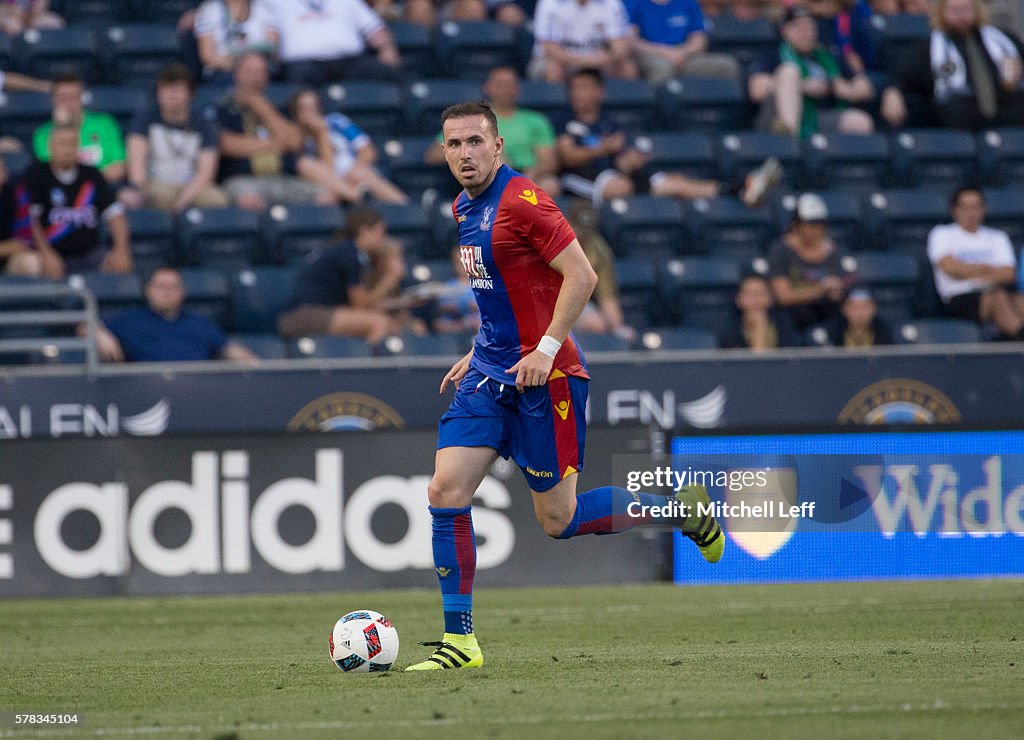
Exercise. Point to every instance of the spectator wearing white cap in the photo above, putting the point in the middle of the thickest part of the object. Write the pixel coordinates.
(859, 324)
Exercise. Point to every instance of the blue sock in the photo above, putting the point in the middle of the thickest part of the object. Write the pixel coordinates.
(607, 511)
(455, 565)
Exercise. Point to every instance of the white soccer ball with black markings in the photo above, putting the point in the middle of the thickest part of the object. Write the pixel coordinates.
(363, 642)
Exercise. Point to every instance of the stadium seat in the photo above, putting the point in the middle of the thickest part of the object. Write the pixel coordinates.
(930, 156)
(7, 52)
(444, 229)
(902, 218)
(21, 113)
(134, 53)
(41, 53)
(16, 162)
(120, 101)
(279, 93)
(700, 291)
(739, 153)
(893, 34)
(409, 225)
(375, 106)
(703, 104)
(152, 238)
(220, 237)
(638, 291)
(939, 331)
(747, 40)
(97, 13)
(207, 292)
(546, 97)
(166, 12)
(682, 337)
(630, 103)
(296, 233)
(1001, 156)
(893, 278)
(416, 47)
(596, 343)
(264, 346)
(410, 345)
(470, 49)
(426, 99)
(691, 154)
(845, 220)
(861, 161)
(114, 292)
(644, 226)
(1004, 209)
(327, 347)
(428, 271)
(726, 227)
(208, 97)
(408, 170)
(258, 296)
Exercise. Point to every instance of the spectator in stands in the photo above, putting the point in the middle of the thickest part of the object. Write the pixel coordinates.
(599, 161)
(172, 150)
(17, 16)
(859, 324)
(165, 331)
(669, 39)
(845, 27)
(803, 88)
(577, 34)
(68, 200)
(974, 266)
(338, 154)
(970, 71)
(16, 255)
(101, 144)
(805, 267)
(225, 28)
(335, 293)
(259, 147)
(603, 315)
(328, 40)
(456, 307)
(761, 326)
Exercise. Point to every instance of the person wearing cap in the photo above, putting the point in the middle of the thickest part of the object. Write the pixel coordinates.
(804, 89)
(859, 324)
(805, 267)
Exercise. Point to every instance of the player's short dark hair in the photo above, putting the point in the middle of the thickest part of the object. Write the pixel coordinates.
(360, 218)
(67, 75)
(176, 72)
(465, 110)
(954, 199)
(591, 72)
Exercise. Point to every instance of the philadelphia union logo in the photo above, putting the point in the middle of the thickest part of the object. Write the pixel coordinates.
(899, 401)
(337, 412)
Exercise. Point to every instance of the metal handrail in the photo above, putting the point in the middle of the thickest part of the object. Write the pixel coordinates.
(87, 317)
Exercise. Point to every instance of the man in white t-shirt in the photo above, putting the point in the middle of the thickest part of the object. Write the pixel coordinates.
(973, 264)
(331, 40)
(578, 34)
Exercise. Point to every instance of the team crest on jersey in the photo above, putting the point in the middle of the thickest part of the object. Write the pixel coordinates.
(485, 222)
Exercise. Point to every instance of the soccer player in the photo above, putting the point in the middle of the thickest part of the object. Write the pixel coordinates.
(522, 389)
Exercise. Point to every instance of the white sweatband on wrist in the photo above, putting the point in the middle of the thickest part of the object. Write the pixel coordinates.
(549, 346)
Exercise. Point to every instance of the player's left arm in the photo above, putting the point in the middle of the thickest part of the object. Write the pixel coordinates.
(578, 282)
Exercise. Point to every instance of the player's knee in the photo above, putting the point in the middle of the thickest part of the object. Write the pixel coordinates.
(444, 494)
(554, 522)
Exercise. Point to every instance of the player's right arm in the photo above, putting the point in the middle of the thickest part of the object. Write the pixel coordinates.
(457, 373)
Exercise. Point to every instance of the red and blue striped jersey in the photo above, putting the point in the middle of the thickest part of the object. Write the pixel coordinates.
(507, 236)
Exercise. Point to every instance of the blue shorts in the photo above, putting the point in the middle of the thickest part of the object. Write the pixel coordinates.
(543, 428)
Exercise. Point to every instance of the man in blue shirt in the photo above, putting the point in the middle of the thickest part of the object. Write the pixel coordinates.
(669, 39)
(164, 331)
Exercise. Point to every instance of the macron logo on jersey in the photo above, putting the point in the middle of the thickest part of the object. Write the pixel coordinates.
(530, 196)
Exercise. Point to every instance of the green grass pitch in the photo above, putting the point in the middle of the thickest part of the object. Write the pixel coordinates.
(907, 659)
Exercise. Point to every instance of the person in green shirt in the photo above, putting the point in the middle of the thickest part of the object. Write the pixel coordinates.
(101, 143)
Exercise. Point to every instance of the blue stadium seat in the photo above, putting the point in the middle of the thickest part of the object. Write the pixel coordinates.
(207, 292)
(296, 233)
(41, 53)
(429, 270)
(21, 113)
(16, 162)
(97, 13)
(258, 296)
(426, 99)
(416, 47)
(902, 218)
(939, 331)
(739, 153)
(470, 49)
(703, 104)
(546, 97)
(220, 237)
(895, 32)
(893, 278)
(596, 343)
(410, 345)
(409, 225)
(120, 101)
(166, 12)
(1001, 156)
(1004, 209)
(745, 40)
(279, 93)
(630, 103)
(861, 161)
(264, 346)
(700, 291)
(930, 156)
(7, 52)
(327, 347)
(638, 293)
(845, 219)
(643, 226)
(208, 97)
(691, 154)
(682, 337)
(444, 228)
(134, 53)
(114, 292)
(408, 170)
(375, 106)
(153, 239)
(726, 227)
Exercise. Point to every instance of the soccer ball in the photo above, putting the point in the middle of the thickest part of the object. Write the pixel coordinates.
(363, 642)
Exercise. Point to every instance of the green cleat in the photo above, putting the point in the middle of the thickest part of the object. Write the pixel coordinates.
(703, 530)
(453, 651)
